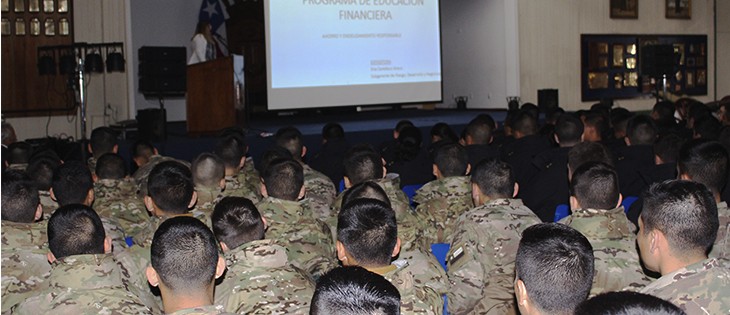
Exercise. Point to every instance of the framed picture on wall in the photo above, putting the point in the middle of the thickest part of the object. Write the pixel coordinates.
(678, 9)
(625, 9)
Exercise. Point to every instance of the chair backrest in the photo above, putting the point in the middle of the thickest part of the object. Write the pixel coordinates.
(410, 191)
(627, 202)
(440, 250)
(561, 211)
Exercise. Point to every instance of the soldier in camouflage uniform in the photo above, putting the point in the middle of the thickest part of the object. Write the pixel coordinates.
(554, 269)
(103, 140)
(308, 240)
(241, 177)
(367, 237)
(677, 227)
(41, 171)
(596, 213)
(25, 267)
(442, 201)
(146, 157)
(73, 184)
(483, 248)
(186, 288)
(706, 162)
(260, 278)
(83, 279)
(208, 176)
(115, 195)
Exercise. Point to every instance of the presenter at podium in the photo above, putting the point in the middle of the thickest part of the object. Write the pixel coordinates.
(202, 44)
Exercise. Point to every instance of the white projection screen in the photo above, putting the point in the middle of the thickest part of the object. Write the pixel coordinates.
(327, 53)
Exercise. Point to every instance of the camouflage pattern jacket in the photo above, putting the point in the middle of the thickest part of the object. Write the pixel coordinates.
(25, 267)
(84, 284)
(700, 288)
(482, 256)
(202, 310)
(308, 240)
(416, 297)
(144, 237)
(47, 203)
(142, 173)
(116, 200)
(260, 280)
(114, 230)
(207, 199)
(320, 190)
(614, 247)
(440, 203)
(91, 163)
(721, 248)
(246, 183)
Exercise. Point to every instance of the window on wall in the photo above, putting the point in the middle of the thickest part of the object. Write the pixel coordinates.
(25, 26)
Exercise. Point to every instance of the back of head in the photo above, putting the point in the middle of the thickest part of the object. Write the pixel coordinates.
(479, 131)
(290, 138)
(586, 152)
(698, 110)
(236, 221)
(20, 152)
(707, 128)
(143, 149)
(75, 229)
(409, 143)
(369, 190)
(170, 186)
(443, 132)
(494, 178)
(531, 109)
(595, 186)
(663, 112)
(102, 141)
(367, 228)
(568, 129)
(598, 121)
(705, 162)
(284, 179)
(41, 172)
(19, 197)
(184, 253)
(71, 183)
(231, 149)
(627, 303)
(208, 170)
(8, 133)
(333, 131)
(555, 263)
(354, 291)
(451, 159)
(685, 212)
(363, 163)
(486, 119)
(641, 130)
(525, 124)
(111, 166)
(667, 147)
(402, 124)
(271, 154)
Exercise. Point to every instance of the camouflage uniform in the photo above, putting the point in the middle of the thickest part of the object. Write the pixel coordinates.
(721, 248)
(416, 296)
(202, 310)
(614, 247)
(141, 175)
(440, 203)
(47, 203)
(482, 256)
(114, 230)
(308, 240)
(319, 189)
(246, 183)
(700, 288)
(144, 237)
(116, 200)
(133, 262)
(207, 199)
(25, 266)
(91, 162)
(84, 284)
(260, 280)
(408, 224)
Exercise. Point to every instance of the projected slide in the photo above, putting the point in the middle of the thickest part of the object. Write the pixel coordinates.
(352, 52)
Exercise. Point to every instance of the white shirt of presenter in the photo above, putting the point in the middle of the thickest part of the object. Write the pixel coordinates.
(202, 44)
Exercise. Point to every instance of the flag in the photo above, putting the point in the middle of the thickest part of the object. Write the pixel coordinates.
(214, 13)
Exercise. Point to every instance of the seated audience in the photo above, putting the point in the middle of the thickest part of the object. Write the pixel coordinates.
(103, 140)
(209, 175)
(242, 180)
(637, 155)
(528, 144)
(478, 137)
(329, 158)
(481, 276)
(554, 269)
(354, 291)
(41, 171)
(115, 194)
(19, 154)
(146, 157)
(410, 161)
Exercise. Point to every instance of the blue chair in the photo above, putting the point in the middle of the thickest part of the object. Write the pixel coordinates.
(628, 201)
(129, 241)
(342, 186)
(440, 250)
(410, 191)
(561, 211)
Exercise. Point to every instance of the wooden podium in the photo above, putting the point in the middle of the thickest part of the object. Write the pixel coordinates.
(211, 97)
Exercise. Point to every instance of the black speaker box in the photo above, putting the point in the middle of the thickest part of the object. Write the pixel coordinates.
(162, 71)
(657, 60)
(547, 100)
(152, 124)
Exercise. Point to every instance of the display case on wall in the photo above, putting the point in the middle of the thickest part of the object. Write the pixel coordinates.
(611, 65)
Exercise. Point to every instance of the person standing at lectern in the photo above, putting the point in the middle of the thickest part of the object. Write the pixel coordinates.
(202, 44)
